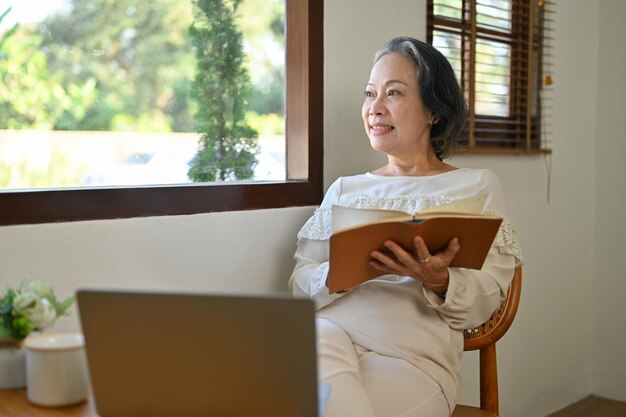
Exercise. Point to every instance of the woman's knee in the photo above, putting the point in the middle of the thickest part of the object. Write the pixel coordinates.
(328, 331)
(335, 351)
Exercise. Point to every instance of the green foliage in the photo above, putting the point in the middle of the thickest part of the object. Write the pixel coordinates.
(138, 53)
(31, 307)
(57, 173)
(109, 65)
(31, 96)
(263, 25)
(129, 66)
(220, 91)
(6, 318)
(266, 124)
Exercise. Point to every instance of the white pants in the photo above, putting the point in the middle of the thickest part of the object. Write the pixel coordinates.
(366, 384)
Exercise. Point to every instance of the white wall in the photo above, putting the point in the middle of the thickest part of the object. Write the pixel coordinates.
(353, 31)
(236, 251)
(546, 360)
(609, 273)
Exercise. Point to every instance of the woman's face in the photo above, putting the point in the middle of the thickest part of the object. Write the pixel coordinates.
(394, 116)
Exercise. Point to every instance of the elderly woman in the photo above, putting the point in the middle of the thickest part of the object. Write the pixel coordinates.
(392, 346)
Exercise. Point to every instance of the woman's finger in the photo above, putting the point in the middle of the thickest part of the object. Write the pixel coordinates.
(450, 251)
(423, 255)
(400, 253)
(385, 260)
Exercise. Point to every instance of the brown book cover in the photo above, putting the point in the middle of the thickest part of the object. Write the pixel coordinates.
(350, 247)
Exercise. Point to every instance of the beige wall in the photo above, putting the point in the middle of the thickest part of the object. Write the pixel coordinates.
(572, 271)
(608, 272)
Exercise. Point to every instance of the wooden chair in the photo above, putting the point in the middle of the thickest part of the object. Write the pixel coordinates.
(484, 338)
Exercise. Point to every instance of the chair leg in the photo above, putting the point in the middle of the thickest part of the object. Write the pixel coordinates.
(489, 379)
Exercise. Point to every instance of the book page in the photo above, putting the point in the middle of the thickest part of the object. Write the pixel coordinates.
(472, 205)
(343, 217)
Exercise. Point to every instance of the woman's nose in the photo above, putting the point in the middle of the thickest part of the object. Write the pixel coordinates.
(376, 107)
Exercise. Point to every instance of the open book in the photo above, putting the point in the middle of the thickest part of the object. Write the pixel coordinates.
(357, 232)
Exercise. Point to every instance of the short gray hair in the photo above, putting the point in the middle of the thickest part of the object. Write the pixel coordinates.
(439, 90)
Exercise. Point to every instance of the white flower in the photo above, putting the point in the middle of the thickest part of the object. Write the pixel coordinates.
(38, 288)
(39, 311)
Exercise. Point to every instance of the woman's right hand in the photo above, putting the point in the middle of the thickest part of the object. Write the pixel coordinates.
(429, 269)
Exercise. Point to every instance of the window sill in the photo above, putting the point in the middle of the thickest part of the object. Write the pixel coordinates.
(49, 206)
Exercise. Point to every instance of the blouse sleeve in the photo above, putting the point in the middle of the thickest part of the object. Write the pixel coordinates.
(473, 295)
(309, 275)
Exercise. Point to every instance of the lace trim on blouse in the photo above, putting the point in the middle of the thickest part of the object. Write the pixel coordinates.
(506, 241)
(319, 226)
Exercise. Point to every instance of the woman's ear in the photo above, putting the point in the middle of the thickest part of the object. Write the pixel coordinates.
(433, 120)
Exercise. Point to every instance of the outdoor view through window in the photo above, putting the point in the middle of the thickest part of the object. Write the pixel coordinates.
(100, 93)
(492, 50)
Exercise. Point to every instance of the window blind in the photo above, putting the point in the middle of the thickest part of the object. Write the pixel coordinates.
(496, 48)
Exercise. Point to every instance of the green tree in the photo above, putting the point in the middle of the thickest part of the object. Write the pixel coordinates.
(263, 25)
(31, 97)
(139, 54)
(220, 90)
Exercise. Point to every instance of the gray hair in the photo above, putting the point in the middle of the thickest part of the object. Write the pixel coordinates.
(439, 90)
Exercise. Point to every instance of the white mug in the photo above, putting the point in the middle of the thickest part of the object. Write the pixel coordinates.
(56, 369)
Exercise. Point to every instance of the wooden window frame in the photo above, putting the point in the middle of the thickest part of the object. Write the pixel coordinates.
(488, 134)
(304, 155)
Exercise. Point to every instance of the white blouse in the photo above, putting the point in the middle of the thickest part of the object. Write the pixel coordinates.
(395, 315)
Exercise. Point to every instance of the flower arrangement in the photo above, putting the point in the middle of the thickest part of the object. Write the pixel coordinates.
(31, 307)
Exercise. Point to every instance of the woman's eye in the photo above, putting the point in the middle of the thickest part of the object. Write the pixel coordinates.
(393, 92)
(368, 94)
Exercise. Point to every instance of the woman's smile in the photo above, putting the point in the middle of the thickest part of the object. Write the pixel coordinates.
(380, 129)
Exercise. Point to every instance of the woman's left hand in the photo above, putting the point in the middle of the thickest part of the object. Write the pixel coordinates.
(431, 270)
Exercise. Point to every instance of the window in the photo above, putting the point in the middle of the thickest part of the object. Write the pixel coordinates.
(303, 184)
(496, 49)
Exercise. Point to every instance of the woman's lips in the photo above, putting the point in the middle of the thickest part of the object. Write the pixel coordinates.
(379, 129)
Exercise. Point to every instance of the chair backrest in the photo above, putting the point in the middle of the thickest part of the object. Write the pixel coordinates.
(484, 338)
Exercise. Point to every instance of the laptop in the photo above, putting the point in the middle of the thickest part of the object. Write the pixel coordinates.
(187, 354)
